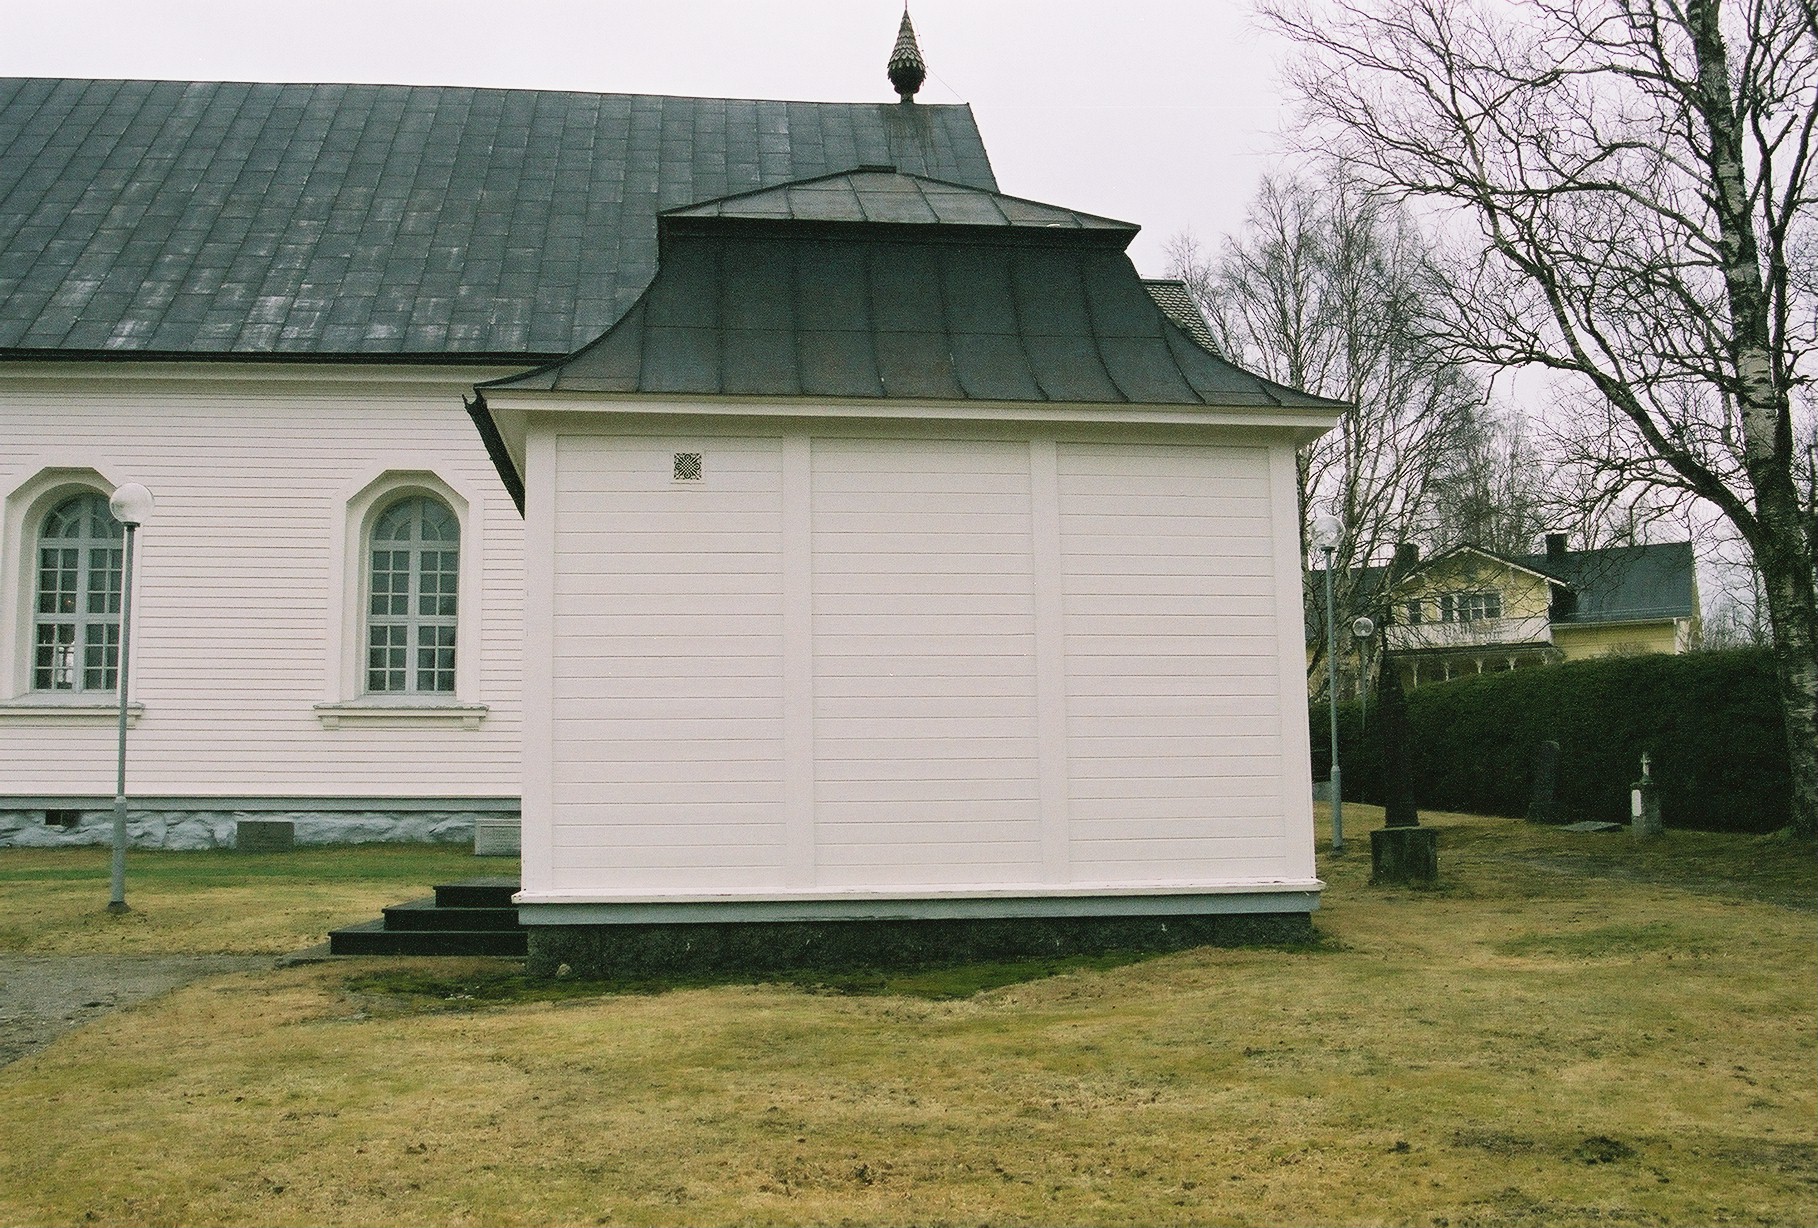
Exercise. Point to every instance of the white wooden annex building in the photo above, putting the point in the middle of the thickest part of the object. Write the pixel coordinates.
(895, 556)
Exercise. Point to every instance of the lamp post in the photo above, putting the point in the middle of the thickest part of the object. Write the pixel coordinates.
(130, 504)
(1361, 630)
(1326, 532)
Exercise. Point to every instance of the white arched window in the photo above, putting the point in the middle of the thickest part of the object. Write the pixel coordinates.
(76, 608)
(413, 564)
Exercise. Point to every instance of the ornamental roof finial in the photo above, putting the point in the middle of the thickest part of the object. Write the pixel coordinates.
(906, 68)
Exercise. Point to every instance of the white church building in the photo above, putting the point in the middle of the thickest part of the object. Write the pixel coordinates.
(826, 532)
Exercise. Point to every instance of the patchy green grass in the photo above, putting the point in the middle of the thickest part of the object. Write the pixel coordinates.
(217, 901)
(1569, 1030)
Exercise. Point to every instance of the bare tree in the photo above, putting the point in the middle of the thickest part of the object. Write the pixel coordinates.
(1330, 289)
(1636, 180)
(1493, 490)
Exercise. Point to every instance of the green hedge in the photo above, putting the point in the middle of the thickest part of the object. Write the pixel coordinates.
(1711, 722)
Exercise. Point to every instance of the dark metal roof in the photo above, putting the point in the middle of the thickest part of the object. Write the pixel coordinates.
(757, 306)
(1624, 583)
(886, 195)
(146, 217)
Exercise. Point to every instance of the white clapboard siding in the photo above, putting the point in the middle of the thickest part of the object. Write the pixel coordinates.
(251, 472)
(1174, 754)
(667, 758)
(924, 659)
(874, 661)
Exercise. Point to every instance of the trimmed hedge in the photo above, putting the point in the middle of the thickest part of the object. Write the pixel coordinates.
(1711, 722)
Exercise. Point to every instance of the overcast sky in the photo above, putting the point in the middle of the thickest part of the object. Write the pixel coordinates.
(1159, 112)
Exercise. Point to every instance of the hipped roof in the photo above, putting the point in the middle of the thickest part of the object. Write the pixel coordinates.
(879, 284)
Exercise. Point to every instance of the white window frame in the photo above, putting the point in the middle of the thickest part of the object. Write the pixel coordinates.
(82, 620)
(409, 619)
(346, 700)
(26, 503)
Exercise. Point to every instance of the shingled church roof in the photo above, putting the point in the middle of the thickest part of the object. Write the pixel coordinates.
(182, 219)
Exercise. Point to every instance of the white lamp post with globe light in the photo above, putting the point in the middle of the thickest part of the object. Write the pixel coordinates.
(130, 504)
(1362, 629)
(1327, 530)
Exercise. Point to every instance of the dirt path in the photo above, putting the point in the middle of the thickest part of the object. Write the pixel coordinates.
(44, 996)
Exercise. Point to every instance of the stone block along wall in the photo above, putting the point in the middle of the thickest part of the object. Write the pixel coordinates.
(215, 829)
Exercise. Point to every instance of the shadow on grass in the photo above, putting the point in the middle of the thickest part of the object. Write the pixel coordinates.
(419, 988)
(415, 987)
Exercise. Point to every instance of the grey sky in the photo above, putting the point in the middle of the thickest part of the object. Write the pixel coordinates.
(1159, 112)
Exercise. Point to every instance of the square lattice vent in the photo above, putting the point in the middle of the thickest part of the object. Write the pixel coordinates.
(687, 466)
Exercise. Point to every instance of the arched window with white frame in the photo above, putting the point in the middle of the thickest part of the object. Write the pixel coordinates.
(413, 563)
(76, 606)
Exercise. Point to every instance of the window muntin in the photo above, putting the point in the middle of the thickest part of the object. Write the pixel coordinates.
(1471, 607)
(413, 570)
(76, 614)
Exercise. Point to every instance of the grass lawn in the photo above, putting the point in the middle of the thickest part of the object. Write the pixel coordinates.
(1571, 1030)
(217, 901)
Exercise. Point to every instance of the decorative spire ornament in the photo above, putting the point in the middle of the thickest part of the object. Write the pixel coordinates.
(906, 68)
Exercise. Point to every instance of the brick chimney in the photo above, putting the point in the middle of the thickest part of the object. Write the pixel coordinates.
(1556, 547)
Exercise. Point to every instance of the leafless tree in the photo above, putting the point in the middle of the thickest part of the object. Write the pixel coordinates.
(1493, 490)
(1329, 289)
(1633, 180)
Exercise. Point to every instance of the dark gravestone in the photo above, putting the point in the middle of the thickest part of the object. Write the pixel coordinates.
(1644, 804)
(1404, 856)
(1398, 789)
(1542, 808)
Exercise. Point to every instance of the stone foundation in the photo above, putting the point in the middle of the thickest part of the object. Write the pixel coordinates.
(216, 829)
(600, 951)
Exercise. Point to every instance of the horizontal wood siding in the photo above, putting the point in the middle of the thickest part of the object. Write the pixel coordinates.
(1173, 727)
(924, 677)
(232, 615)
(668, 678)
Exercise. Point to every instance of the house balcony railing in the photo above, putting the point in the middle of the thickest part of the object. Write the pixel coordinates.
(1477, 633)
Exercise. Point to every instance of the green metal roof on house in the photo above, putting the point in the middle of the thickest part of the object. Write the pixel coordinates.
(1624, 583)
(1011, 305)
(235, 219)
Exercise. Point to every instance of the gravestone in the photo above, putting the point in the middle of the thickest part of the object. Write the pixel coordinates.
(1542, 808)
(1644, 804)
(1404, 856)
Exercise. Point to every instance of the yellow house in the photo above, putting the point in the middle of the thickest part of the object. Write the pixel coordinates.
(1472, 611)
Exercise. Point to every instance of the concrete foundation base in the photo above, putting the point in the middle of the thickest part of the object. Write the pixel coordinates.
(599, 951)
(1404, 856)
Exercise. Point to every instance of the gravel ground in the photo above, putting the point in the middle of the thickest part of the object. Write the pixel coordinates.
(44, 996)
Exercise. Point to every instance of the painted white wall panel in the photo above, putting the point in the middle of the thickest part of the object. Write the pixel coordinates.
(1173, 706)
(667, 749)
(923, 631)
(251, 473)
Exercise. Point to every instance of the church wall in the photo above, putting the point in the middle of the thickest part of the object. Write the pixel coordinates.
(247, 624)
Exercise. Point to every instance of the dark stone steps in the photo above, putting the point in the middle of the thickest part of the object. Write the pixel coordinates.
(432, 915)
(475, 917)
